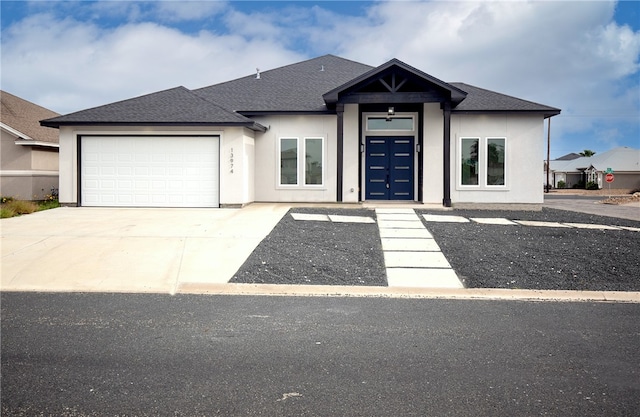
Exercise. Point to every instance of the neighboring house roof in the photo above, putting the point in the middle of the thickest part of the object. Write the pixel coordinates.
(296, 88)
(622, 159)
(176, 106)
(569, 157)
(574, 165)
(21, 117)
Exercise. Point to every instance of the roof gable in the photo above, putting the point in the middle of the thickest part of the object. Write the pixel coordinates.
(395, 78)
(174, 106)
(22, 117)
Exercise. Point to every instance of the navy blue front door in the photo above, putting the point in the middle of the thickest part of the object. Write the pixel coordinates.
(389, 168)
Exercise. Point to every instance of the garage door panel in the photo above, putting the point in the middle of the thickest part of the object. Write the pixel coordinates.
(150, 171)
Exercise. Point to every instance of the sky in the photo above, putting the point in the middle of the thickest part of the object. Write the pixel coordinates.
(580, 56)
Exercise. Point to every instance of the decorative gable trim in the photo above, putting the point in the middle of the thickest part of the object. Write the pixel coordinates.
(394, 82)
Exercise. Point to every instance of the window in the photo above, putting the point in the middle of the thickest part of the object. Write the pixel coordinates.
(303, 160)
(390, 123)
(469, 162)
(313, 161)
(289, 161)
(495, 161)
(483, 162)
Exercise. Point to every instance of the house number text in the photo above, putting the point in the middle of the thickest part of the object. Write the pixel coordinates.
(231, 160)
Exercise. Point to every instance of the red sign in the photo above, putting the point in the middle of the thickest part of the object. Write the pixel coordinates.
(608, 178)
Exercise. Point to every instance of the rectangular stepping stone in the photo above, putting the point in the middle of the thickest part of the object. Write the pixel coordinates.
(592, 226)
(399, 224)
(394, 210)
(414, 245)
(445, 218)
(312, 217)
(406, 233)
(493, 220)
(350, 219)
(415, 260)
(423, 278)
(540, 224)
(397, 216)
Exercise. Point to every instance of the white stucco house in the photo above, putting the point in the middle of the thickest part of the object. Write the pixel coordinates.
(28, 151)
(323, 130)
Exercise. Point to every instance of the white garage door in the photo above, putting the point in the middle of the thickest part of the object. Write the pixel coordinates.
(144, 171)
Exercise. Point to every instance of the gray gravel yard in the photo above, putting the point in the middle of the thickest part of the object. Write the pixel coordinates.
(318, 253)
(547, 258)
(483, 256)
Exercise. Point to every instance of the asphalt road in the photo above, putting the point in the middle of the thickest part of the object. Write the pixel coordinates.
(187, 355)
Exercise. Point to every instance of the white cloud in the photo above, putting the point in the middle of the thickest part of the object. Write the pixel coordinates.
(67, 65)
(159, 10)
(565, 54)
(172, 11)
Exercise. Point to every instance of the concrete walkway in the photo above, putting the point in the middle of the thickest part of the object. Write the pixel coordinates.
(412, 257)
(130, 250)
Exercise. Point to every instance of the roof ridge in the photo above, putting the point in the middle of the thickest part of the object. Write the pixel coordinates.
(283, 67)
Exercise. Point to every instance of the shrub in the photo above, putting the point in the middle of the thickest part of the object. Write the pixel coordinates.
(12, 207)
(591, 185)
(48, 204)
(21, 206)
(562, 184)
(6, 212)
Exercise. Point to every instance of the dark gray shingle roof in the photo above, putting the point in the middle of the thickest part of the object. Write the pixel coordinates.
(295, 88)
(174, 106)
(292, 88)
(481, 100)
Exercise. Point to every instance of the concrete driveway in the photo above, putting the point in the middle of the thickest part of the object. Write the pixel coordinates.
(130, 250)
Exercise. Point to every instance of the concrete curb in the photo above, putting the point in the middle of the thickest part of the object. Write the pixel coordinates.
(404, 292)
(283, 290)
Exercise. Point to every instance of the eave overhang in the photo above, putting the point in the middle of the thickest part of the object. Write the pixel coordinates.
(249, 125)
(546, 112)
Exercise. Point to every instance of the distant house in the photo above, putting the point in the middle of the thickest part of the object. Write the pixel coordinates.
(323, 130)
(623, 161)
(28, 151)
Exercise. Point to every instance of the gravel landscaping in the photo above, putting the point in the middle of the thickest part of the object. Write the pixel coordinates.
(483, 255)
(318, 253)
(547, 258)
